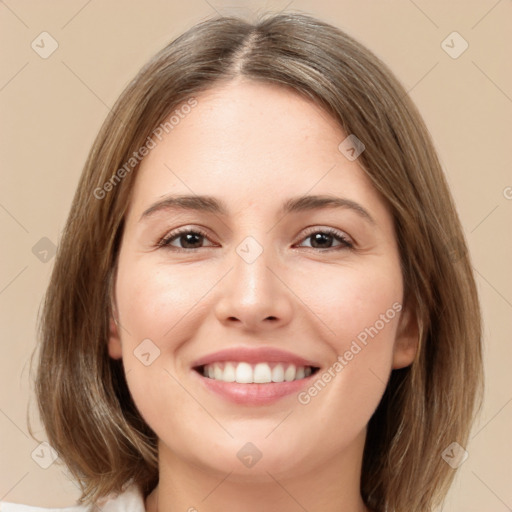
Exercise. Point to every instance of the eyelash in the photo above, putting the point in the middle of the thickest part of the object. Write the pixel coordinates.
(338, 235)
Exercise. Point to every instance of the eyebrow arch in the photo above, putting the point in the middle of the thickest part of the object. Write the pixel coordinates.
(295, 204)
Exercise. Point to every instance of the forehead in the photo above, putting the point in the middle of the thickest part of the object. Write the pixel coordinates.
(248, 142)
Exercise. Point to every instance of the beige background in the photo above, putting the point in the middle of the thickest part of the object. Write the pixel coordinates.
(52, 108)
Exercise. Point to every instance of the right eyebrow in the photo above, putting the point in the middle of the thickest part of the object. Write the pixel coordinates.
(198, 203)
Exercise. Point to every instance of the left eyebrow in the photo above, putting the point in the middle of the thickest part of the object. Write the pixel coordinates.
(295, 204)
(305, 203)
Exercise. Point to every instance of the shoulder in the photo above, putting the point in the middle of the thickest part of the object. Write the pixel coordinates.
(130, 500)
(18, 507)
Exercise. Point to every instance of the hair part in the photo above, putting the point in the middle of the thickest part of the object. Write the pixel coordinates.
(89, 415)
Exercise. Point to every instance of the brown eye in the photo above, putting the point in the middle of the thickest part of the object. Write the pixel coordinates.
(325, 238)
(187, 239)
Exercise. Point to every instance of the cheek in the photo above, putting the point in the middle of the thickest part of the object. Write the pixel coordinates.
(353, 304)
(153, 301)
(159, 310)
(155, 306)
(362, 310)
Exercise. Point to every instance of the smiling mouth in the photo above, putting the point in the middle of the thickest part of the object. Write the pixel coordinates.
(259, 373)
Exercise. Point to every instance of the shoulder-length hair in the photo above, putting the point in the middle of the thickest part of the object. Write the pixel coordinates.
(83, 398)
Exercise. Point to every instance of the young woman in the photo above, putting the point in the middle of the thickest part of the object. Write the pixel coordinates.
(256, 303)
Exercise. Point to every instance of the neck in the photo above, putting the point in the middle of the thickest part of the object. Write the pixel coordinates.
(333, 486)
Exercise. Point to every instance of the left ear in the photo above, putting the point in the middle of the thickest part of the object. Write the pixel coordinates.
(407, 339)
(114, 340)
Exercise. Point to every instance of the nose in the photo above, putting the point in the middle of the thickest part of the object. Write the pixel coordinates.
(254, 294)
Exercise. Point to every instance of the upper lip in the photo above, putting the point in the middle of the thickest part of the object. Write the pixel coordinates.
(253, 356)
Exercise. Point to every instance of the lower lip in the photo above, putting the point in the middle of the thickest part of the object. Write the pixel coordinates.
(254, 394)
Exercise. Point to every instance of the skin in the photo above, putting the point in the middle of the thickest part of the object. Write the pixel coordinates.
(241, 141)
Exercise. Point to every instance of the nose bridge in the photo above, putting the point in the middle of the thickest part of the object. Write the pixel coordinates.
(251, 273)
(252, 293)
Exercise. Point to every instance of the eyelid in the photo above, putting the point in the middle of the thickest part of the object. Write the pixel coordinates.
(175, 233)
(345, 237)
(347, 242)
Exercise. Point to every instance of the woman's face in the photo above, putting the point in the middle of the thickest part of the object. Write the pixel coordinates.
(265, 282)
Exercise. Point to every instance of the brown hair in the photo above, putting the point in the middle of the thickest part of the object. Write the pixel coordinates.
(84, 402)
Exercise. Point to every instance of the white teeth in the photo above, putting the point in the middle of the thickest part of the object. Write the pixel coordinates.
(229, 373)
(278, 373)
(244, 373)
(261, 373)
(289, 374)
(218, 373)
